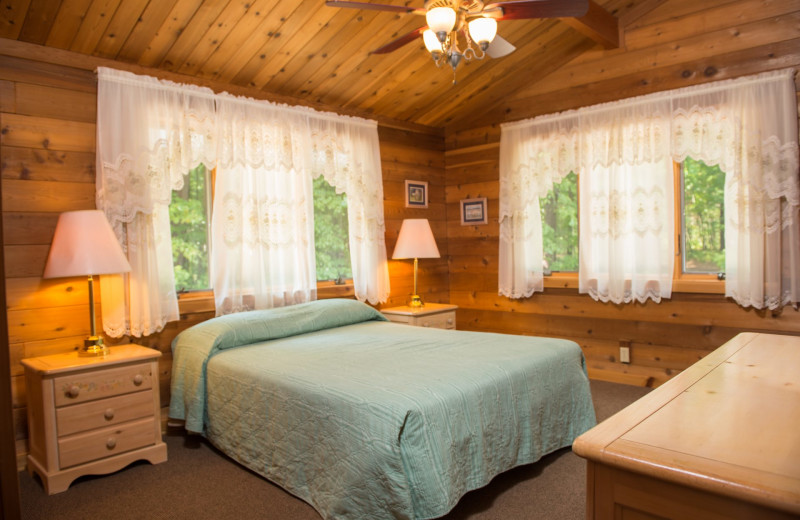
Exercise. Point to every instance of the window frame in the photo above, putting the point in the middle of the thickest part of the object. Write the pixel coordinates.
(681, 282)
(688, 282)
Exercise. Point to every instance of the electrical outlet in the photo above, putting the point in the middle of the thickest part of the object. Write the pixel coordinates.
(624, 354)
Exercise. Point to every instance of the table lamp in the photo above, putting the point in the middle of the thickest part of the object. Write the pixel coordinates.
(84, 245)
(415, 241)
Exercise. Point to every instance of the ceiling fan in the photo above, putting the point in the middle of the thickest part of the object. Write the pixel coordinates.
(470, 21)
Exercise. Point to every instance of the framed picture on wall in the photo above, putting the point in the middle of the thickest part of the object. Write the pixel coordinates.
(416, 194)
(473, 211)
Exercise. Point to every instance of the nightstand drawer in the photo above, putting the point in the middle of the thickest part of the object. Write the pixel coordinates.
(105, 412)
(97, 444)
(431, 315)
(445, 320)
(98, 384)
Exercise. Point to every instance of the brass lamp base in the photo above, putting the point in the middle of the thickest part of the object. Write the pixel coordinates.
(416, 301)
(93, 346)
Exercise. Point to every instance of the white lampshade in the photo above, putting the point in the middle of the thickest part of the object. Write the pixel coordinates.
(441, 20)
(415, 240)
(483, 30)
(432, 43)
(84, 244)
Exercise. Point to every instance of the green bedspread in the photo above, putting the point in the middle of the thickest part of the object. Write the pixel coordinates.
(375, 420)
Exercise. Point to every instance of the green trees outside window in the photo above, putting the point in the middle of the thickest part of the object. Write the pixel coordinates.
(189, 216)
(703, 217)
(559, 210)
(330, 232)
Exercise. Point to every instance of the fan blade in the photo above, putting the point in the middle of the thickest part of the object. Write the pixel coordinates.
(399, 42)
(537, 9)
(499, 47)
(375, 7)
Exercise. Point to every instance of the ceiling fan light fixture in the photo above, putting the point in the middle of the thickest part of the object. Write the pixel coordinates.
(465, 30)
(432, 42)
(482, 31)
(441, 21)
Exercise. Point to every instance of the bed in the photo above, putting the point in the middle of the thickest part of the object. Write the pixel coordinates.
(367, 419)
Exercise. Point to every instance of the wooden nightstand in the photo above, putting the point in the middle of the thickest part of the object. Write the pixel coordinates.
(92, 415)
(435, 315)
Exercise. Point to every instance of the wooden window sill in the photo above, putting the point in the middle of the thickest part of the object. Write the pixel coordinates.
(561, 281)
(705, 285)
(702, 285)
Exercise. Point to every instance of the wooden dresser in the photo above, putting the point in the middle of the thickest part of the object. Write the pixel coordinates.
(92, 415)
(434, 315)
(720, 440)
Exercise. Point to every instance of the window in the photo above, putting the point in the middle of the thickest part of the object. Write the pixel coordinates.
(190, 216)
(330, 233)
(699, 226)
(559, 211)
(702, 239)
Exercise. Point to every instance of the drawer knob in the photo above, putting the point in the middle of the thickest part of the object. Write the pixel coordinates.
(111, 443)
(109, 414)
(74, 391)
(426, 324)
(449, 321)
(137, 379)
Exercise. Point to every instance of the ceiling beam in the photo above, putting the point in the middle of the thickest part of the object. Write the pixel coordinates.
(599, 25)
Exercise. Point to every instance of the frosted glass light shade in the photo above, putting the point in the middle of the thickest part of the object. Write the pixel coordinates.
(482, 30)
(84, 244)
(432, 43)
(441, 20)
(415, 240)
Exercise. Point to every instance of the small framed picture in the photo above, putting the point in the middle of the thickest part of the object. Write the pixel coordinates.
(416, 194)
(473, 211)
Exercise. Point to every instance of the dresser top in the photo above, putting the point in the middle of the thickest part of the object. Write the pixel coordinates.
(69, 361)
(728, 424)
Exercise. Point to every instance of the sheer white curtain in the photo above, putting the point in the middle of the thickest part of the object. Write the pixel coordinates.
(345, 151)
(622, 153)
(150, 133)
(533, 157)
(263, 222)
(262, 230)
(625, 202)
(748, 127)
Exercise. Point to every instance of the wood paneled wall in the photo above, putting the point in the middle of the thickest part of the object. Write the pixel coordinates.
(680, 43)
(47, 150)
(405, 156)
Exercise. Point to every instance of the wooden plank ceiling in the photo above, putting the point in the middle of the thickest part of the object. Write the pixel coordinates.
(311, 52)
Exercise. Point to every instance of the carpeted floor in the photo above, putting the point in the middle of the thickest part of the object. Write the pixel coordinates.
(199, 482)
